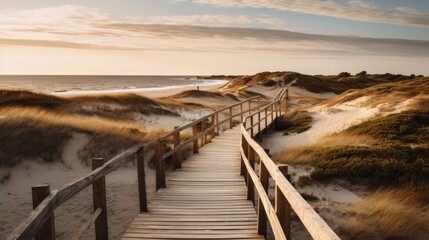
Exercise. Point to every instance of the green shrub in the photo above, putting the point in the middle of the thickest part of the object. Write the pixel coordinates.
(297, 123)
(406, 127)
(381, 165)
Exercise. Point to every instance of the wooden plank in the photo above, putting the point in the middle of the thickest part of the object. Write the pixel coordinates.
(194, 227)
(192, 231)
(206, 198)
(192, 236)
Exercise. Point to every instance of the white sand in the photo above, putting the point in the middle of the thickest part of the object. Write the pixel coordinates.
(326, 120)
(151, 92)
(122, 195)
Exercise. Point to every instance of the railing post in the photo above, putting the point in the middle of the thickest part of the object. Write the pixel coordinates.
(262, 216)
(159, 165)
(250, 108)
(177, 156)
(230, 117)
(282, 206)
(213, 123)
(250, 185)
(203, 128)
(99, 199)
(259, 122)
(47, 230)
(272, 113)
(141, 176)
(241, 112)
(266, 119)
(277, 109)
(217, 124)
(251, 126)
(194, 133)
(245, 146)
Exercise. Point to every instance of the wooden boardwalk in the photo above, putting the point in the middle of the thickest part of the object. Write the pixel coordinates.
(205, 199)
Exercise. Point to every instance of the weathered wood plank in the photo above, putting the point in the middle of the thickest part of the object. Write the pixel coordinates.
(205, 199)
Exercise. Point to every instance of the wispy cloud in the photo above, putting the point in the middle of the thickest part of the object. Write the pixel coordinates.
(89, 28)
(215, 20)
(353, 10)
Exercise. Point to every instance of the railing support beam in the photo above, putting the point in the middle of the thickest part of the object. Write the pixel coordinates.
(282, 206)
(177, 156)
(141, 175)
(159, 165)
(250, 185)
(194, 133)
(262, 215)
(47, 231)
(99, 199)
(230, 118)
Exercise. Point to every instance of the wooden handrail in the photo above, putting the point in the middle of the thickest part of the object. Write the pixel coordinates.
(38, 217)
(285, 192)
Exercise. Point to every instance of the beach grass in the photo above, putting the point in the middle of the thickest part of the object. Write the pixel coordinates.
(389, 214)
(388, 151)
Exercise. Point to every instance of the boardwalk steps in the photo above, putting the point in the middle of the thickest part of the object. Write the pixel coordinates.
(205, 199)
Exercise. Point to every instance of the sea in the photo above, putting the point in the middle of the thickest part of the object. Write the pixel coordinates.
(56, 84)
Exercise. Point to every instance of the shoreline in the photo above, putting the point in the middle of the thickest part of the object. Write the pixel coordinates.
(150, 92)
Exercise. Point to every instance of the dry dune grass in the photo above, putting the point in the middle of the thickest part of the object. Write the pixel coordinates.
(35, 125)
(310, 153)
(23, 98)
(180, 104)
(179, 100)
(318, 84)
(114, 106)
(31, 133)
(386, 92)
(390, 214)
(201, 94)
(82, 123)
(420, 102)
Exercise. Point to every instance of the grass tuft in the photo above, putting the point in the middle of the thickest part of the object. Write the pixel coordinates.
(390, 214)
(294, 122)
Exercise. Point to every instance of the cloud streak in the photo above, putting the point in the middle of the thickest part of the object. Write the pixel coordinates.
(353, 10)
(215, 20)
(88, 28)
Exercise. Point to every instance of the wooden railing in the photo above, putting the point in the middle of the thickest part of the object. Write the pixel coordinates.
(40, 223)
(287, 198)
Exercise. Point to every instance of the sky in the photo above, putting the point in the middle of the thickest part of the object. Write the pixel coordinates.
(204, 37)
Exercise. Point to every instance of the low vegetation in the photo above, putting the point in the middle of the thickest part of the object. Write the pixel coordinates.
(317, 83)
(201, 94)
(390, 214)
(294, 122)
(44, 137)
(402, 90)
(38, 126)
(397, 157)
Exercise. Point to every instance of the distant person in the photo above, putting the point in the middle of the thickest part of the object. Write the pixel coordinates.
(198, 88)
